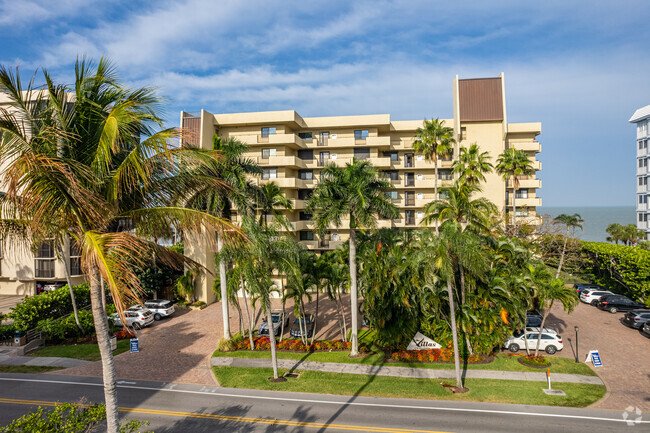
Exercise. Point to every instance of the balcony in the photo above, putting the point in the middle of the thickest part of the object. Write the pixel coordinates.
(44, 268)
(527, 202)
(287, 182)
(351, 142)
(641, 207)
(526, 182)
(282, 161)
(642, 152)
(641, 188)
(527, 146)
(640, 171)
(322, 162)
(409, 201)
(290, 140)
(380, 162)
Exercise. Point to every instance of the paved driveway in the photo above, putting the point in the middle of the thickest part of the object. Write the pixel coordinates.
(9, 301)
(625, 353)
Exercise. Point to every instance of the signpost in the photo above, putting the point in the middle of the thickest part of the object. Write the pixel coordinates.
(113, 341)
(135, 345)
(422, 342)
(594, 356)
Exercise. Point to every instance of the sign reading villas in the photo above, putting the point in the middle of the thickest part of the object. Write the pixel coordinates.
(422, 342)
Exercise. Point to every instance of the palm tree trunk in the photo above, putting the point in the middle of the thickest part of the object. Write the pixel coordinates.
(526, 342)
(69, 280)
(108, 367)
(435, 186)
(248, 314)
(541, 327)
(269, 320)
(342, 315)
(103, 288)
(559, 268)
(284, 305)
(224, 290)
(241, 319)
(454, 333)
(514, 206)
(313, 335)
(353, 293)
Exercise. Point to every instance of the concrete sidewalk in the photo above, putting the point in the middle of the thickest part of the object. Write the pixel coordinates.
(426, 373)
(43, 361)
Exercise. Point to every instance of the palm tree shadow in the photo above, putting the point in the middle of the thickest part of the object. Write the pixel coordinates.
(371, 378)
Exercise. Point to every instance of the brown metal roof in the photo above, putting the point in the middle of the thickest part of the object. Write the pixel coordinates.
(480, 99)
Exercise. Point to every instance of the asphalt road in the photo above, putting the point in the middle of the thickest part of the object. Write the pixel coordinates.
(192, 408)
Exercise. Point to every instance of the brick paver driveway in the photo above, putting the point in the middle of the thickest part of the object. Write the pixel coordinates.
(178, 349)
(625, 353)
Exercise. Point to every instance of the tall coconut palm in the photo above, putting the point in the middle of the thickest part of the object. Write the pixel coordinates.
(511, 164)
(434, 140)
(272, 201)
(233, 169)
(571, 222)
(356, 192)
(104, 175)
(472, 165)
(548, 295)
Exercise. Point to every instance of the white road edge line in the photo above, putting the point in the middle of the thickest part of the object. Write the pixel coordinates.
(339, 403)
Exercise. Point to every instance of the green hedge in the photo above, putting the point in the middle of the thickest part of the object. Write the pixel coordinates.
(624, 269)
(66, 327)
(49, 305)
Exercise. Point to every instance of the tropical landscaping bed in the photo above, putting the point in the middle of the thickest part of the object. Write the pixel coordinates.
(484, 390)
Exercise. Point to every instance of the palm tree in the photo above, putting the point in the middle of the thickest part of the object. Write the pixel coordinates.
(615, 232)
(459, 208)
(511, 164)
(272, 201)
(104, 175)
(354, 191)
(434, 140)
(472, 165)
(549, 293)
(233, 170)
(571, 222)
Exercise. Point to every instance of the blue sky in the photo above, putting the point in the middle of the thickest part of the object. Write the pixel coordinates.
(581, 68)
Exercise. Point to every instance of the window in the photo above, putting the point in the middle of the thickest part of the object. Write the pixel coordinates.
(267, 153)
(445, 175)
(269, 173)
(306, 154)
(75, 259)
(362, 153)
(394, 156)
(522, 212)
(323, 159)
(443, 195)
(305, 135)
(409, 218)
(324, 138)
(304, 216)
(268, 131)
(391, 195)
(44, 261)
(306, 174)
(409, 179)
(304, 194)
(360, 134)
(391, 174)
(522, 193)
(409, 198)
(306, 235)
(408, 160)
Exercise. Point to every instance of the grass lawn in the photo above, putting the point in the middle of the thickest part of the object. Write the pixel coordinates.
(502, 362)
(484, 390)
(87, 352)
(26, 369)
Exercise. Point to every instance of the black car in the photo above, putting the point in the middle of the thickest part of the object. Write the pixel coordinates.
(580, 287)
(636, 318)
(307, 324)
(533, 320)
(614, 303)
(645, 329)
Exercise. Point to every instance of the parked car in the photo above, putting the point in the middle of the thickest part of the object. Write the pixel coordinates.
(160, 308)
(615, 303)
(591, 296)
(636, 318)
(536, 329)
(645, 329)
(278, 317)
(533, 319)
(550, 343)
(307, 321)
(580, 287)
(135, 317)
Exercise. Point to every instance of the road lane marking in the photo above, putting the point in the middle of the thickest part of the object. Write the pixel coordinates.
(337, 403)
(199, 415)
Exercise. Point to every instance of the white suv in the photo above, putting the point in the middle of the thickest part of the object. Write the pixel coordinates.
(136, 318)
(160, 308)
(550, 342)
(591, 296)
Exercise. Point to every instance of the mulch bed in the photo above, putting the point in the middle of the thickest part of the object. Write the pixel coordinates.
(486, 359)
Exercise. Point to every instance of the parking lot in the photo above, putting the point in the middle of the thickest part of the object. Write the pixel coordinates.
(625, 353)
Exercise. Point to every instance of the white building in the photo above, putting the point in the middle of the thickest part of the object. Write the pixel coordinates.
(642, 119)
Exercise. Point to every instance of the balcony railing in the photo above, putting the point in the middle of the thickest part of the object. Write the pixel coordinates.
(409, 220)
(322, 162)
(44, 268)
(409, 201)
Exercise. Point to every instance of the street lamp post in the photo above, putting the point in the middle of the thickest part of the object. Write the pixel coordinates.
(576, 328)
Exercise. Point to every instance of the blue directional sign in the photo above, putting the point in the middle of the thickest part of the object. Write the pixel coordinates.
(135, 345)
(595, 357)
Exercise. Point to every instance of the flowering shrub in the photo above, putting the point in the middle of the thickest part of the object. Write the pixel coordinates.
(264, 343)
(534, 360)
(122, 334)
(431, 355)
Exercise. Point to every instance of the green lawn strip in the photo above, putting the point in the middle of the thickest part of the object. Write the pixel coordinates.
(87, 352)
(27, 368)
(501, 362)
(484, 390)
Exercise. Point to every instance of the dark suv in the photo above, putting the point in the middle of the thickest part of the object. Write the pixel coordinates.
(614, 303)
(636, 318)
(580, 287)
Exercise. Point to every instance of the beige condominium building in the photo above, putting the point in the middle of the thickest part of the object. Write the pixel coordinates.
(641, 118)
(26, 272)
(292, 150)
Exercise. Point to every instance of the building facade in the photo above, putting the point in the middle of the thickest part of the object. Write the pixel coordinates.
(292, 150)
(641, 118)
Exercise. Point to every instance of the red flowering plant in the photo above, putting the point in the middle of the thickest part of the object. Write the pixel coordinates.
(430, 355)
(264, 343)
(122, 334)
(534, 360)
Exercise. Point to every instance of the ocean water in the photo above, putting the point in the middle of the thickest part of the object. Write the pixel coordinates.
(596, 218)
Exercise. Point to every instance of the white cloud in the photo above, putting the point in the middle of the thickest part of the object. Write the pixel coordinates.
(26, 13)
